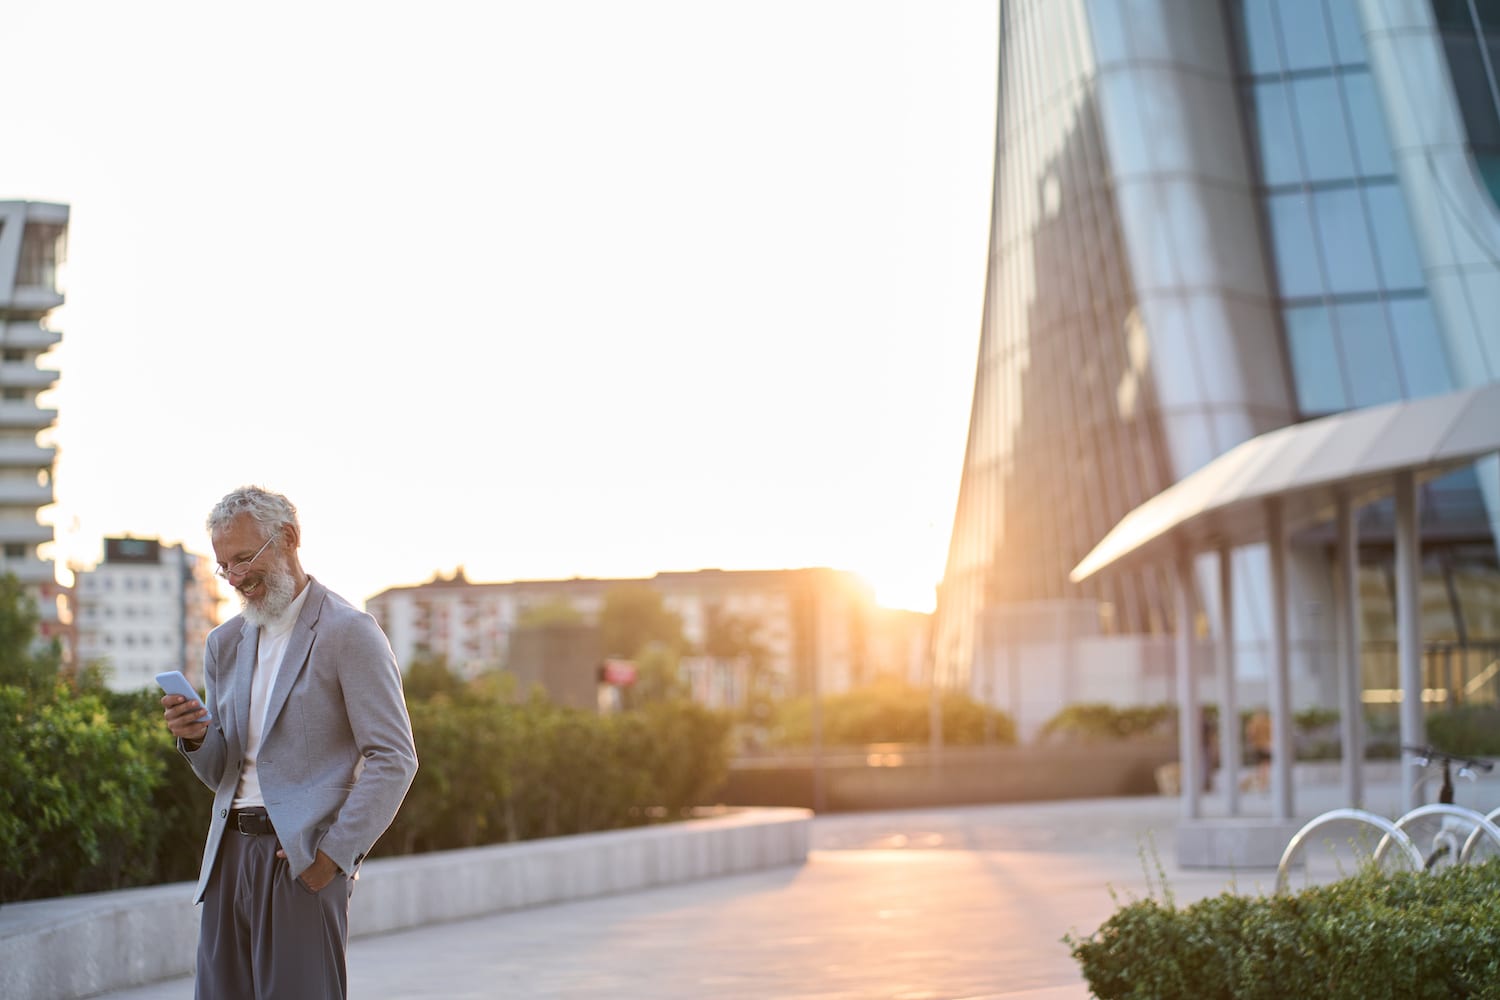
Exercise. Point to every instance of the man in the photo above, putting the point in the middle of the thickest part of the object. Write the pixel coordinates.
(309, 752)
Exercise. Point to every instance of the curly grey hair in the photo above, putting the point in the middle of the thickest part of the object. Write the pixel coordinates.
(271, 510)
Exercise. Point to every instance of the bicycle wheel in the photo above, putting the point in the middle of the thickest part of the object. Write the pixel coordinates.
(1341, 843)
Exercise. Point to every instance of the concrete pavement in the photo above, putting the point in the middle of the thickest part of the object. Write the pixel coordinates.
(912, 905)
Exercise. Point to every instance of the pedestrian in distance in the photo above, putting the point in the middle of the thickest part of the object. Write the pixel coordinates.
(304, 737)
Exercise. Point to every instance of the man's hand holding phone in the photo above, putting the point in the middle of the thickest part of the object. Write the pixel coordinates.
(187, 718)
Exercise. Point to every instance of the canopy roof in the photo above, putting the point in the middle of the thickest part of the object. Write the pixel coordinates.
(1308, 465)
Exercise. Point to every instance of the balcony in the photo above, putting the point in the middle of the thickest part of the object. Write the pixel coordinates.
(24, 493)
(16, 531)
(28, 415)
(34, 571)
(26, 455)
(27, 375)
(32, 300)
(32, 336)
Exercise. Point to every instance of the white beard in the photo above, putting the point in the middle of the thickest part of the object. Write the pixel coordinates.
(277, 589)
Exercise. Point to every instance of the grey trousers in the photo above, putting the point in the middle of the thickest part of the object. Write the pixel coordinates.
(266, 937)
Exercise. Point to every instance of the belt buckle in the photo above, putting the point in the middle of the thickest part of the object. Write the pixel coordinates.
(256, 822)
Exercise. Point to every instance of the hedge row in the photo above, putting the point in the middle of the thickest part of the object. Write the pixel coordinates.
(1409, 935)
(94, 796)
(492, 771)
(888, 711)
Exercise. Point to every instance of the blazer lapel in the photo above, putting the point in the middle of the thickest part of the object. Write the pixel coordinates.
(297, 648)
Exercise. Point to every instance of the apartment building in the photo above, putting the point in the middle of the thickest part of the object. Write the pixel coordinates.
(147, 607)
(33, 242)
(811, 626)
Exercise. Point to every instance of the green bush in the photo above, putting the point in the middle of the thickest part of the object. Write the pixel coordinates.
(1472, 730)
(76, 804)
(889, 711)
(1098, 721)
(1370, 937)
(494, 771)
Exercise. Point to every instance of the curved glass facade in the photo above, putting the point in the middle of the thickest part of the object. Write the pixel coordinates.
(1063, 439)
(1139, 319)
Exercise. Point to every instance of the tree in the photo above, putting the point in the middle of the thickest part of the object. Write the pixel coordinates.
(25, 661)
(557, 611)
(634, 618)
(428, 677)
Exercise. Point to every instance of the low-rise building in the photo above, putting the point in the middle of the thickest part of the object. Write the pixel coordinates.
(801, 630)
(146, 608)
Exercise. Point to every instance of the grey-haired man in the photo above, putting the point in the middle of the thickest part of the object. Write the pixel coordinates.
(309, 753)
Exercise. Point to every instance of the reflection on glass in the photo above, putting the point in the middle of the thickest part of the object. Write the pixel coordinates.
(1315, 361)
(1424, 363)
(1341, 225)
(1369, 356)
(1348, 34)
(1320, 123)
(1400, 264)
(1304, 34)
(1297, 268)
(1261, 53)
(1371, 141)
(1274, 132)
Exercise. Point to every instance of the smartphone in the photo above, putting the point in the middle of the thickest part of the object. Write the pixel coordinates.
(173, 682)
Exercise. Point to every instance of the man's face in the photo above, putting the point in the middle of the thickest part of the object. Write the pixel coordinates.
(266, 586)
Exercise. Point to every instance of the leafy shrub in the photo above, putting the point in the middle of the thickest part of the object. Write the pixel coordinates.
(1316, 733)
(1472, 730)
(494, 771)
(76, 804)
(1370, 937)
(889, 711)
(1098, 721)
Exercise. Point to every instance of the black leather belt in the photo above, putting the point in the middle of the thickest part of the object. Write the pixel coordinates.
(251, 822)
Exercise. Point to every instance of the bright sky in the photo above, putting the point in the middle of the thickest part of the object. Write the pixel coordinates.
(543, 289)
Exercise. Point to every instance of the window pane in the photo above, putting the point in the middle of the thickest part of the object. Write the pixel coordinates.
(1453, 14)
(1395, 244)
(1348, 41)
(1260, 55)
(1371, 141)
(1304, 34)
(1346, 241)
(1273, 132)
(1315, 362)
(1369, 358)
(1325, 136)
(1297, 267)
(1473, 89)
(1489, 15)
(1424, 359)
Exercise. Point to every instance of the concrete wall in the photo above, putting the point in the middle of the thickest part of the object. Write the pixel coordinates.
(895, 776)
(78, 946)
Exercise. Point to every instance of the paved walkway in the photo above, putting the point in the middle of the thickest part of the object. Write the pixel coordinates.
(962, 904)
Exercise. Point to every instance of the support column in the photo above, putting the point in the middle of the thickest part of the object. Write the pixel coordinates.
(1189, 713)
(1230, 753)
(1280, 672)
(1409, 628)
(1346, 626)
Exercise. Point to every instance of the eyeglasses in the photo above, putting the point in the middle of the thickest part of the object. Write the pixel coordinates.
(241, 568)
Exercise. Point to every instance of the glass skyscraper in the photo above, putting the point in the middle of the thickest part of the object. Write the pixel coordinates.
(1210, 220)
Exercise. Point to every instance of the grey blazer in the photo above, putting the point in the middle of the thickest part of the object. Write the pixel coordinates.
(336, 753)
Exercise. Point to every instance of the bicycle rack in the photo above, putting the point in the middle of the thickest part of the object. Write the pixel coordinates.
(1491, 826)
(1480, 823)
(1393, 834)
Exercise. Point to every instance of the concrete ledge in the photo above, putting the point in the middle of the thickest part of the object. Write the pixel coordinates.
(1236, 843)
(78, 946)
